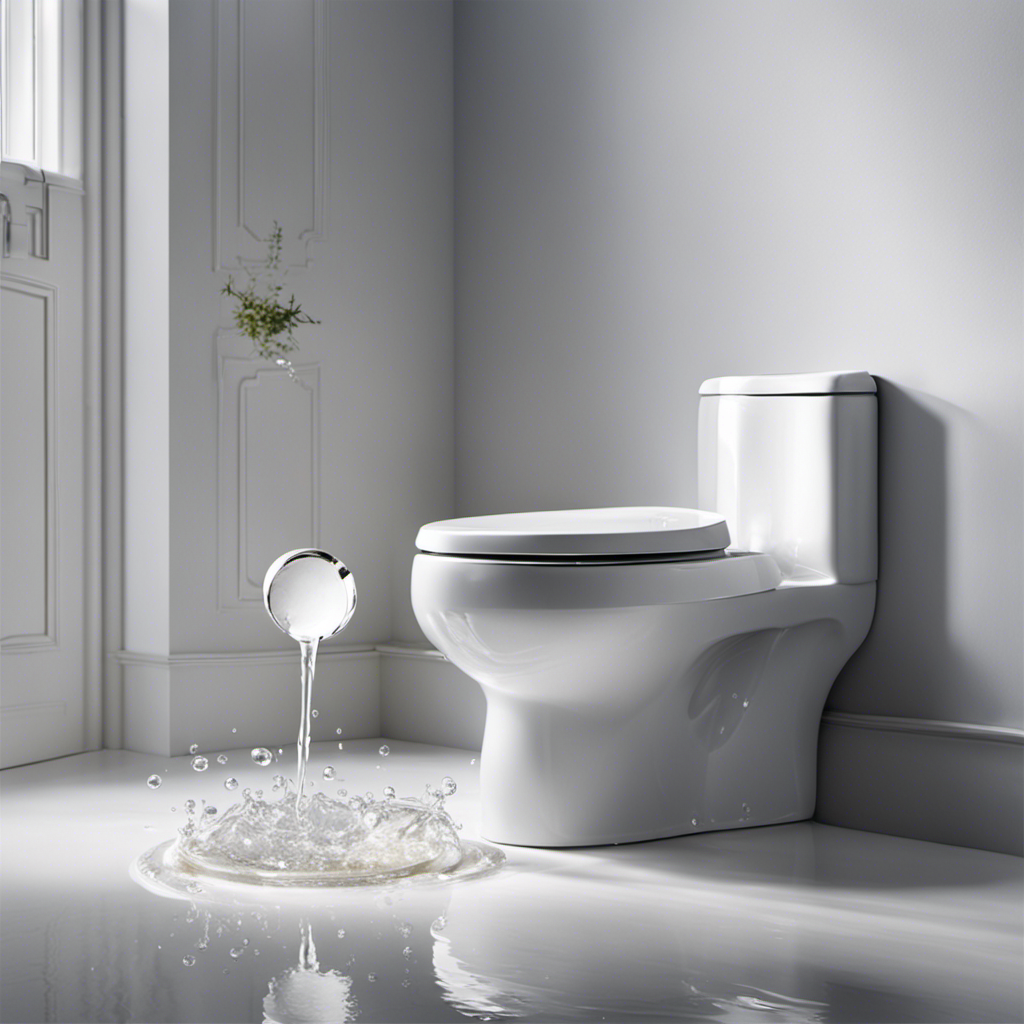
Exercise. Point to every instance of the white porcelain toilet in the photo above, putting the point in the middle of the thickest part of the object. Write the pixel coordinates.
(644, 676)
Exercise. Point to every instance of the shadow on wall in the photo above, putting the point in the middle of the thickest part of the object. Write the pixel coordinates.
(909, 650)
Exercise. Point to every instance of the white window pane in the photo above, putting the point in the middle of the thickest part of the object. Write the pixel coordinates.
(19, 80)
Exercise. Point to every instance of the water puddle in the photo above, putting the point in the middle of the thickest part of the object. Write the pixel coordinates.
(302, 839)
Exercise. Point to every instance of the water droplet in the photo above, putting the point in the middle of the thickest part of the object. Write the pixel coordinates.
(261, 756)
(439, 923)
(404, 929)
(389, 792)
(341, 933)
(210, 811)
(406, 983)
(372, 818)
(231, 783)
(315, 713)
(448, 786)
(236, 952)
(745, 808)
(194, 749)
(407, 952)
(693, 821)
(259, 793)
(384, 750)
(154, 781)
(746, 703)
(190, 806)
(199, 763)
(188, 960)
(278, 781)
(329, 773)
(280, 751)
(234, 730)
(337, 732)
(193, 887)
(222, 759)
(245, 942)
(342, 792)
(371, 977)
(341, 746)
(173, 809)
(472, 760)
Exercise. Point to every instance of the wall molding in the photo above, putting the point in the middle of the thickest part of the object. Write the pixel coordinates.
(215, 659)
(926, 727)
(244, 385)
(235, 240)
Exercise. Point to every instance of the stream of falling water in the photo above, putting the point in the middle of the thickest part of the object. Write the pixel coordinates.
(307, 649)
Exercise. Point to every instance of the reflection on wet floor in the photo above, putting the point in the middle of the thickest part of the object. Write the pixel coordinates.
(791, 923)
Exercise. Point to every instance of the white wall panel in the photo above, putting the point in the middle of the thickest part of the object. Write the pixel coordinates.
(271, 128)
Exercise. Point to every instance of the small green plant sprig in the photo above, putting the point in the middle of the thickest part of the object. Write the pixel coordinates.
(260, 314)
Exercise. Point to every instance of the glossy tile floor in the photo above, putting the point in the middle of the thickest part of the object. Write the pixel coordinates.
(790, 923)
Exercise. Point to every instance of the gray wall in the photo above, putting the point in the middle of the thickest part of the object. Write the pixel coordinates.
(651, 193)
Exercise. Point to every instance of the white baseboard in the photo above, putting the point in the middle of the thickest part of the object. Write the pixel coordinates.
(425, 698)
(172, 702)
(947, 782)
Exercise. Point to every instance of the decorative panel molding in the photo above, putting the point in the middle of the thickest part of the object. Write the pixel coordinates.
(268, 470)
(271, 128)
(28, 527)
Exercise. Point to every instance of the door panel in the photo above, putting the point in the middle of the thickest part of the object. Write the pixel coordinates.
(41, 491)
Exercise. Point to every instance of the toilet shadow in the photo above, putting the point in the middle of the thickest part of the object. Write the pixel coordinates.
(910, 642)
(804, 855)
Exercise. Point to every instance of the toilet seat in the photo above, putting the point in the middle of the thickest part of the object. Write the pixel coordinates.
(589, 558)
(642, 533)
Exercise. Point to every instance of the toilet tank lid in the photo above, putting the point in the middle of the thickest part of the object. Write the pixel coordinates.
(584, 532)
(831, 382)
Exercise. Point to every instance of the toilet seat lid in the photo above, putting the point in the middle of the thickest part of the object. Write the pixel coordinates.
(582, 532)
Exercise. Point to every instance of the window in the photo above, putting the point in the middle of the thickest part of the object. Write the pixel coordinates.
(40, 89)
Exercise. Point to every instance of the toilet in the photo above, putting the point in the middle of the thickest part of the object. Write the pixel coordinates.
(656, 671)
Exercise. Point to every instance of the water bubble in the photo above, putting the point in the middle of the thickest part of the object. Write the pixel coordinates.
(236, 952)
(746, 703)
(389, 792)
(342, 792)
(154, 781)
(371, 977)
(384, 750)
(372, 818)
(173, 809)
(329, 773)
(210, 811)
(337, 732)
(439, 923)
(234, 730)
(245, 942)
(246, 791)
(309, 594)
(693, 821)
(280, 751)
(341, 746)
(261, 756)
(259, 793)
(190, 806)
(188, 960)
(231, 783)
(315, 713)
(745, 808)
(356, 803)
(448, 786)
(222, 759)
(341, 933)
(199, 763)
(193, 887)
(407, 952)
(472, 760)
(404, 929)
(194, 749)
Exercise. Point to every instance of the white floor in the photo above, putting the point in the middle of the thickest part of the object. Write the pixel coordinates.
(790, 923)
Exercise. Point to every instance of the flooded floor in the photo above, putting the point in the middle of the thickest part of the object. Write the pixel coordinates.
(789, 923)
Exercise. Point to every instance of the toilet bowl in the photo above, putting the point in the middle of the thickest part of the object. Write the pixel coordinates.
(654, 671)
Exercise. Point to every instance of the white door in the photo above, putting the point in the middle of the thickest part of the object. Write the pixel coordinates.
(42, 691)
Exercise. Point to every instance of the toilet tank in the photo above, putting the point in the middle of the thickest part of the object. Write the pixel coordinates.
(791, 461)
